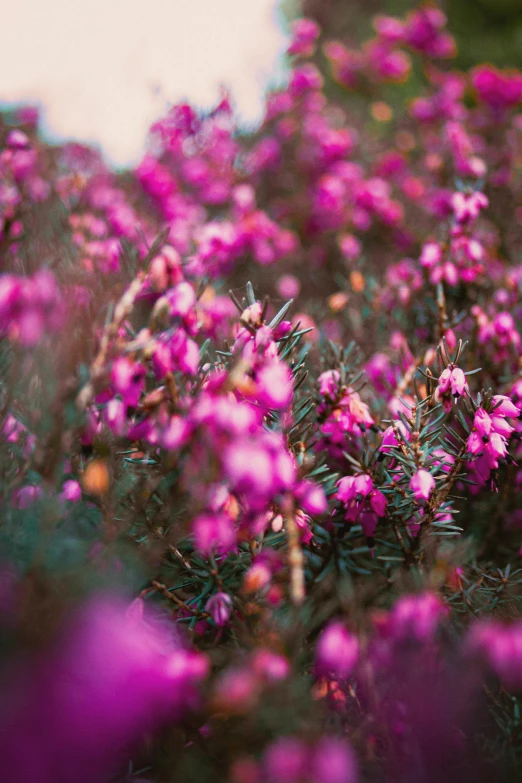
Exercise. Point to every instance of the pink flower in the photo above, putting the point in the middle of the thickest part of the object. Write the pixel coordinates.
(475, 444)
(498, 89)
(26, 496)
(369, 519)
(288, 286)
(71, 491)
(467, 207)
(503, 406)
(389, 439)
(182, 299)
(113, 677)
(496, 447)
(431, 255)
(128, 379)
(214, 533)
(175, 434)
(501, 645)
(304, 78)
(501, 426)
(17, 139)
(259, 467)
(416, 616)
(115, 416)
(305, 32)
(482, 423)
(271, 666)
(311, 498)
(275, 386)
(377, 503)
(333, 761)
(422, 483)
(389, 28)
(363, 503)
(453, 381)
(337, 651)
(286, 761)
(329, 383)
(219, 607)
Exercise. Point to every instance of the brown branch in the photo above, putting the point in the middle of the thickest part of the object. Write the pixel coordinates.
(121, 313)
(295, 559)
(163, 589)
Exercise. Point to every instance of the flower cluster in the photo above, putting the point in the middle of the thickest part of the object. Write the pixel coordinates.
(362, 502)
(294, 497)
(341, 412)
(460, 259)
(489, 436)
(29, 306)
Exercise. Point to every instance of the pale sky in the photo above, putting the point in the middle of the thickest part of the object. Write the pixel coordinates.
(104, 70)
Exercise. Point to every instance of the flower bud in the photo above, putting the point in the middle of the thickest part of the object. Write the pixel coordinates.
(219, 607)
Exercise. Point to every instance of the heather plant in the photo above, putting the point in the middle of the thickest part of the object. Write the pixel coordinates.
(260, 406)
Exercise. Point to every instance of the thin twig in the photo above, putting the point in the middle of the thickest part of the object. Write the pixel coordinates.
(295, 559)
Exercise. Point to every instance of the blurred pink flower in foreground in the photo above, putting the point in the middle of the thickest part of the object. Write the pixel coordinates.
(71, 714)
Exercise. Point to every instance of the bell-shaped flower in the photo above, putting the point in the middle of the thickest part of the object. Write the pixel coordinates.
(503, 406)
(453, 381)
(482, 424)
(275, 385)
(422, 483)
(219, 607)
(337, 651)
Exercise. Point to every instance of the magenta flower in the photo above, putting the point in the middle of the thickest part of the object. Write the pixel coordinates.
(26, 496)
(337, 651)
(452, 381)
(214, 533)
(389, 439)
(333, 761)
(482, 424)
(175, 433)
(416, 617)
(501, 426)
(468, 207)
(275, 386)
(71, 491)
(181, 300)
(30, 306)
(329, 382)
(431, 255)
(496, 447)
(286, 761)
(115, 416)
(114, 676)
(363, 503)
(17, 139)
(304, 78)
(219, 607)
(496, 88)
(389, 28)
(304, 35)
(501, 646)
(271, 666)
(311, 498)
(422, 483)
(369, 520)
(503, 406)
(128, 379)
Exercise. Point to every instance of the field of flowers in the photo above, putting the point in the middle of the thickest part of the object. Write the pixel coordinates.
(261, 407)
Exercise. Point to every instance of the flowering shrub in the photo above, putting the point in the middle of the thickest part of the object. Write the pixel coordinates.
(260, 405)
